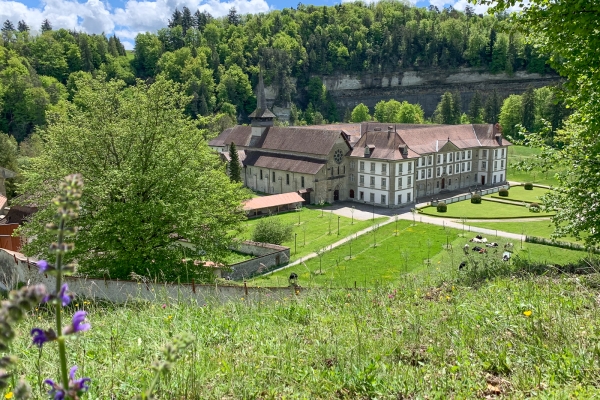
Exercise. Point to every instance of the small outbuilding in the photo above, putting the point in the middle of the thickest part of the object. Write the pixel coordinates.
(273, 204)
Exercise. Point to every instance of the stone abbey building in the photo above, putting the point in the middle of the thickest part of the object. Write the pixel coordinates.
(389, 165)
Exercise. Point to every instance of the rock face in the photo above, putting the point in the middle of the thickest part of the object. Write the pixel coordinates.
(422, 87)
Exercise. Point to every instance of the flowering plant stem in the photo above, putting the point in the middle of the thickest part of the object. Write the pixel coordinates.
(62, 351)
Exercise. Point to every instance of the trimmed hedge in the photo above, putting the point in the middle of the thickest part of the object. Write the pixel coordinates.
(528, 186)
(503, 192)
(476, 199)
(442, 207)
(562, 245)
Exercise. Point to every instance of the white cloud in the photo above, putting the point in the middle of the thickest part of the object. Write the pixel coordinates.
(96, 16)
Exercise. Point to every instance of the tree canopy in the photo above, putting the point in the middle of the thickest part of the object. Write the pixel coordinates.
(150, 180)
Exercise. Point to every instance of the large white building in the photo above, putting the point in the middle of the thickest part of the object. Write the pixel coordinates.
(389, 165)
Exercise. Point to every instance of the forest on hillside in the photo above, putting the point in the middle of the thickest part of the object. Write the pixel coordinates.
(217, 59)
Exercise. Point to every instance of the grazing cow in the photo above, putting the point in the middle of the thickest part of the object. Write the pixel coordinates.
(483, 240)
(479, 237)
(462, 265)
(493, 244)
(476, 240)
(476, 248)
(482, 251)
(466, 249)
(506, 256)
(508, 246)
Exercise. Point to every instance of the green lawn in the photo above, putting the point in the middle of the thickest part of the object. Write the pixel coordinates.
(531, 228)
(487, 209)
(394, 256)
(519, 193)
(521, 153)
(316, 230)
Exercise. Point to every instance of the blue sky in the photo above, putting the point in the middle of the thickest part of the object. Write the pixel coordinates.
(127, 18)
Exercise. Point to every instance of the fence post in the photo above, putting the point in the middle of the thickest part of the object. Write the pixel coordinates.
(245, 288)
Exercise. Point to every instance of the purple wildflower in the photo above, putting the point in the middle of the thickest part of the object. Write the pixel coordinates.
(78, 318)
(39, 337)
(56, 392)
(43, 265)
(63, 296)
(78, 385)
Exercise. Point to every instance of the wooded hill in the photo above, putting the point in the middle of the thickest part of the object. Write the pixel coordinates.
(217, 59)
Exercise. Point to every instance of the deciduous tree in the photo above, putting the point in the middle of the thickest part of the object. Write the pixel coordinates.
(150, 180)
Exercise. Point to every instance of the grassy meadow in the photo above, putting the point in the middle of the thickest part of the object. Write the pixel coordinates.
(489, 331)
(487, 209)
(398, 253)
(518, 193)
(314, 229)
(530, 228)
(518, 154)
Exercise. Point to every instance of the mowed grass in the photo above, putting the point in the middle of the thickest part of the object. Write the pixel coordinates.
(518, 193)
(518, 154)
(487, 209)
(530, 228)
(317, 229)
(401, 252)
(437, 334)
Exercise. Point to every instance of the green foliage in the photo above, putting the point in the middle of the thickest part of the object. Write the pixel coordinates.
(476, 199)
(511, 115)
(8, 160)
(441, 207)
(150, 180)
(534, 207)
(234, 164)
(528, 110)
(528, 186)
(271, 230)
(476, 109)
(493, 105)
(360, 113)
(503, 192)
(448, 110)
(396, 112)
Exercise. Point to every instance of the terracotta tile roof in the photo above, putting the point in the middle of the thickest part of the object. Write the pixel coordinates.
(241, 156)
(284, 162)
(383, 146)
(352, 130)
(272, 201)
(299, 140)
(240, 135)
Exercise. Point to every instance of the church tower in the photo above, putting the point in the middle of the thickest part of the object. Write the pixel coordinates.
(262, 117)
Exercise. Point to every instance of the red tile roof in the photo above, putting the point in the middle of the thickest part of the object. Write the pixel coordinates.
(283, 162)
(272, 201)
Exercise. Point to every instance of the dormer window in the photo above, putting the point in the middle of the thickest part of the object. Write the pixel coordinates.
(367, 151)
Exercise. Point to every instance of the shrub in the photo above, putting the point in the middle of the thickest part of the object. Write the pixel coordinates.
(476, 199)
(534, 207)
(503, 192)
(271, 230)
(528, 186)
(442, 207)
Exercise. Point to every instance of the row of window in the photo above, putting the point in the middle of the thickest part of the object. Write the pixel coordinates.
(484, 165)
(383, 198)
(456, 168)
(384, 168)
(457, 156)
(273, 177)
(361, 181)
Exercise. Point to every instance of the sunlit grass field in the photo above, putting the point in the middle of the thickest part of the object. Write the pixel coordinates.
(488, 331)
(313, 229)
(487, 209)
(521, 153)
(518, 193)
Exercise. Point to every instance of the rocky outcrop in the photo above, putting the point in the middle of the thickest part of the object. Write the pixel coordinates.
(422, 87)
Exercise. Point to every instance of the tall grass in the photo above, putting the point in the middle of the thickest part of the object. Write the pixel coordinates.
(490, 329)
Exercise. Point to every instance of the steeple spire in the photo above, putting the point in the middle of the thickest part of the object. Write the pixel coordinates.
(262, 117)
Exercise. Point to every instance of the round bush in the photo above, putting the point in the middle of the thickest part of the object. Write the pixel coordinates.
(442, 207)
(534, 207)
(503, 192)
(476, 199)
(528, 186)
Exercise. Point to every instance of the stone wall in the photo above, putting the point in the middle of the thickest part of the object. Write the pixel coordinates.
(268, 257)
(15, 269)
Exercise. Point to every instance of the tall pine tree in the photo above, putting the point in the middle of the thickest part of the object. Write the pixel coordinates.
(492, 108)
(187, 21)
(46, 26)
(234, 164)
(22, 26)
(528, 110)
(476, 109)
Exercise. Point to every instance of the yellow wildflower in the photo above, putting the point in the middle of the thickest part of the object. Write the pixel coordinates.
(527, 313)
(9, 395)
